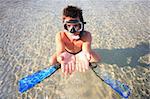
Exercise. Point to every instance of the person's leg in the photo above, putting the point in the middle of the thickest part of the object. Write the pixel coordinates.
(95, 57)
(53, 59)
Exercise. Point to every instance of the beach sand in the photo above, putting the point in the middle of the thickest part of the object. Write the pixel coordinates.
(120, 31)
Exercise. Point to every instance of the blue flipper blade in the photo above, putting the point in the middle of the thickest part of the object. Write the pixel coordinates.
(31, 80)
(119, 87)
(122, 89)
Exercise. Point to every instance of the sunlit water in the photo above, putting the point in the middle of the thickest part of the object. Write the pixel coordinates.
(120, 33)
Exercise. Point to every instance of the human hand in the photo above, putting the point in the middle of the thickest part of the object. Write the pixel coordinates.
(82, 61)
(67, 62)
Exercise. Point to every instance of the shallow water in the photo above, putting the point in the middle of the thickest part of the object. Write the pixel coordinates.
(120, 32)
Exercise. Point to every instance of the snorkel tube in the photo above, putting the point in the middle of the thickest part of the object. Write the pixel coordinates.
(82, 32)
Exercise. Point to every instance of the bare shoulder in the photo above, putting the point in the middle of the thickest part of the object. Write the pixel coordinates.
(58, 36)
(87, 36)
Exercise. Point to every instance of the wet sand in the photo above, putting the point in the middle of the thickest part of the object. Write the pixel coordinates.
(120, 31)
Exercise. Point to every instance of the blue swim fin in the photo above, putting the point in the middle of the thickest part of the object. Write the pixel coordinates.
(31, 80)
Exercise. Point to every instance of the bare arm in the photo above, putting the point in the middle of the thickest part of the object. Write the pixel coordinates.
(83, 58)
(66, 59)
(87, 43)
(86, 47)
(60, 47)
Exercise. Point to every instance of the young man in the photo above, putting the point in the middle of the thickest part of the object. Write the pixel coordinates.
(73, 45)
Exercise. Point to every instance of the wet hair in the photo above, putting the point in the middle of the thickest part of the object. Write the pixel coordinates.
(73, 12)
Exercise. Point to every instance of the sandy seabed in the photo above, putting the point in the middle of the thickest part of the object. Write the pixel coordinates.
(120, 31)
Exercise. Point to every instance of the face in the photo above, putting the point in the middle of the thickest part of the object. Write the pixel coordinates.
(73, 25)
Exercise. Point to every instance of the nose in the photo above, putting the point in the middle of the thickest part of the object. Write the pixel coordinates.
(72, 30)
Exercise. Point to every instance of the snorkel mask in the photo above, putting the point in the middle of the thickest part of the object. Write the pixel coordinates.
(74, 26)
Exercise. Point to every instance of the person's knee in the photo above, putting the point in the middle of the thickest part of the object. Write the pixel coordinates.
(95, 57)
(98, 58)
(53, 59)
